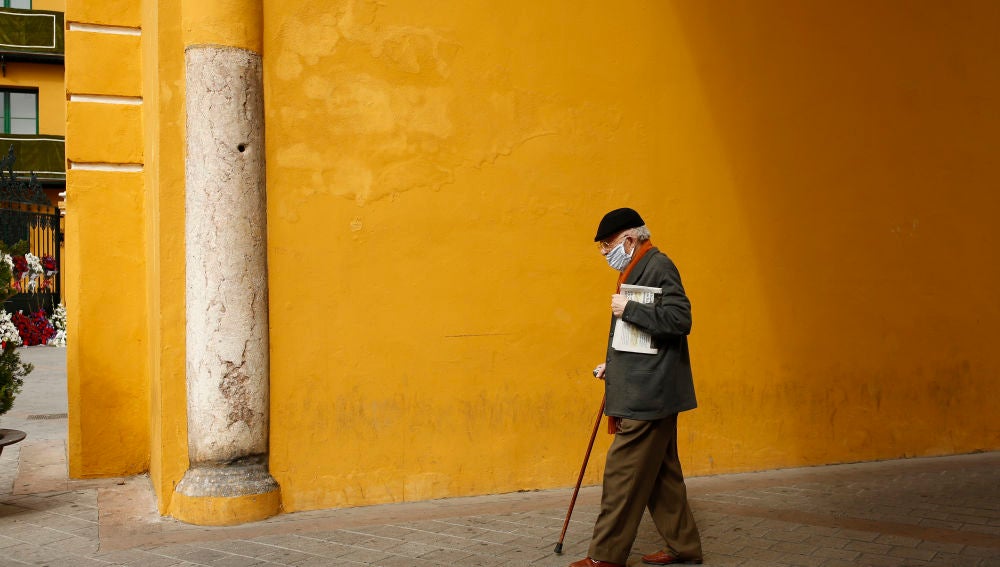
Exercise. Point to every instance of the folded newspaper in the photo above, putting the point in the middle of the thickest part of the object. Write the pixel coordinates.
(628, 337)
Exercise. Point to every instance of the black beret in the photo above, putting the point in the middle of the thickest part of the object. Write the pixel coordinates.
(617, 221)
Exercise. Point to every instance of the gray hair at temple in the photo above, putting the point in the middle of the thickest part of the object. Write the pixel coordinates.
(641, 233)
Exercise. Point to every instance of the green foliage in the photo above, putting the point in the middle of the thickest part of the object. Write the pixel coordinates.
(12, 373)
(12, 370)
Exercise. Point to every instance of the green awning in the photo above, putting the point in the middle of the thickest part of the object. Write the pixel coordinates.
(43, 155)
(31, 31)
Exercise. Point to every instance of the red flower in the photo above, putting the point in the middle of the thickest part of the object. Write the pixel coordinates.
(34, 330)
(20, 266)
(49, 264)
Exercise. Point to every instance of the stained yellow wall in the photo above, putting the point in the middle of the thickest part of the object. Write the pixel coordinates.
(435, 174)
(821, 174)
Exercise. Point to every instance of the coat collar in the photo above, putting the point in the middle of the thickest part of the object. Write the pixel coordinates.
(640, 266)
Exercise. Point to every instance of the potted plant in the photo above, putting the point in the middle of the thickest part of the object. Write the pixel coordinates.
(12, 369)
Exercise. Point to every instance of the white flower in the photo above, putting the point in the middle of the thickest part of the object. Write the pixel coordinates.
(58, 318)
(59, 339)
(6, 259)
(58, 321)
(34, 265)
(8, 332)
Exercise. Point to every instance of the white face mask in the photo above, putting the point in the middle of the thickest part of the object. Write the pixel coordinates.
(617, 258)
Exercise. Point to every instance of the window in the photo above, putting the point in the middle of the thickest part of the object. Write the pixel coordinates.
(22, 4)
(19, 111)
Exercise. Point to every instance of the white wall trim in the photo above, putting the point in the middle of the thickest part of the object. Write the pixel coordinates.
(101, 166)
(106, 99)
(101, 28)
(9, 139)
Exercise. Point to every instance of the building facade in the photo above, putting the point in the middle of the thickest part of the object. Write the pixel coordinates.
(32, 138)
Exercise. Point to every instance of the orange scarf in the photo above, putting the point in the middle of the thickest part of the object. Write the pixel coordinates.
(637, 254)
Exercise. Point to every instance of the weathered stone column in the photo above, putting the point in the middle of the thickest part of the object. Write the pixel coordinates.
(226, 251)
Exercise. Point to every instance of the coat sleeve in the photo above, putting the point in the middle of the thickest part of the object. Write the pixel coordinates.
(671, 315)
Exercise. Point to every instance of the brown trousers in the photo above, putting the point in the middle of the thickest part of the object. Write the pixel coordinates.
(643, 471)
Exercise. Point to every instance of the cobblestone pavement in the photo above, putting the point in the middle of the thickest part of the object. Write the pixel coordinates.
(913, 512)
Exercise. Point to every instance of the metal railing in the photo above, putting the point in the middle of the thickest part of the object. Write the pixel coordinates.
(27, 214)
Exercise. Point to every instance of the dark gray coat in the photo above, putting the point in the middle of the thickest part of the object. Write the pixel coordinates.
(653, 386)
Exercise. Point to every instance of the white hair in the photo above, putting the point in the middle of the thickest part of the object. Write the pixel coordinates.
(641, 233)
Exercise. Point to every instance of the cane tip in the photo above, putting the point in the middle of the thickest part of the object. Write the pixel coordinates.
(558, 549)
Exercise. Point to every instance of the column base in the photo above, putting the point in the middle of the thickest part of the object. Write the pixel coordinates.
(226, 494)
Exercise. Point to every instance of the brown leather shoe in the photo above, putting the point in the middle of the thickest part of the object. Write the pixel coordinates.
(667, 557)
(588, 562)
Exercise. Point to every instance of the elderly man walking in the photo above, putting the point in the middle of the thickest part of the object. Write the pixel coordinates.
(644, 393)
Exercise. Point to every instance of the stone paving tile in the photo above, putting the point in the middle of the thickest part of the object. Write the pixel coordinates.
(379, 543)
(983, 552)
(368, 556)
(940, 524)
(237, 547)
(288, 557)
(722, 560)
(447, 555)
(482, 561)
(201, 556)
(867, 547)
(841, 554)
(876, 560)
(137, 557)
(483, 547)
(991, 530)
(307, 545)
(79, 545)
(402, 561)
(912, 553)
(413, 549)
(237, 561)
(35, 555)
(827, 542)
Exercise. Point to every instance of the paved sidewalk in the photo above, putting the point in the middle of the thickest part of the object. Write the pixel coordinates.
(915, 512)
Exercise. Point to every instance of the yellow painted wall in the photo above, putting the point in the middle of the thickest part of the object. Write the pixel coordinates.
(119, 13)
(821, 174)
(107, 306)
(106, 325)
(838, 241)
(93, 50)
(51, 5)
(163, 119)
(233, 23)
(435, 174)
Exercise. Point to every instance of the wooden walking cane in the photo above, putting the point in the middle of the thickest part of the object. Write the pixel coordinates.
(579, 479)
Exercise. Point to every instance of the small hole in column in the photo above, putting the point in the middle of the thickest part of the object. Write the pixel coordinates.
(242, 148)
